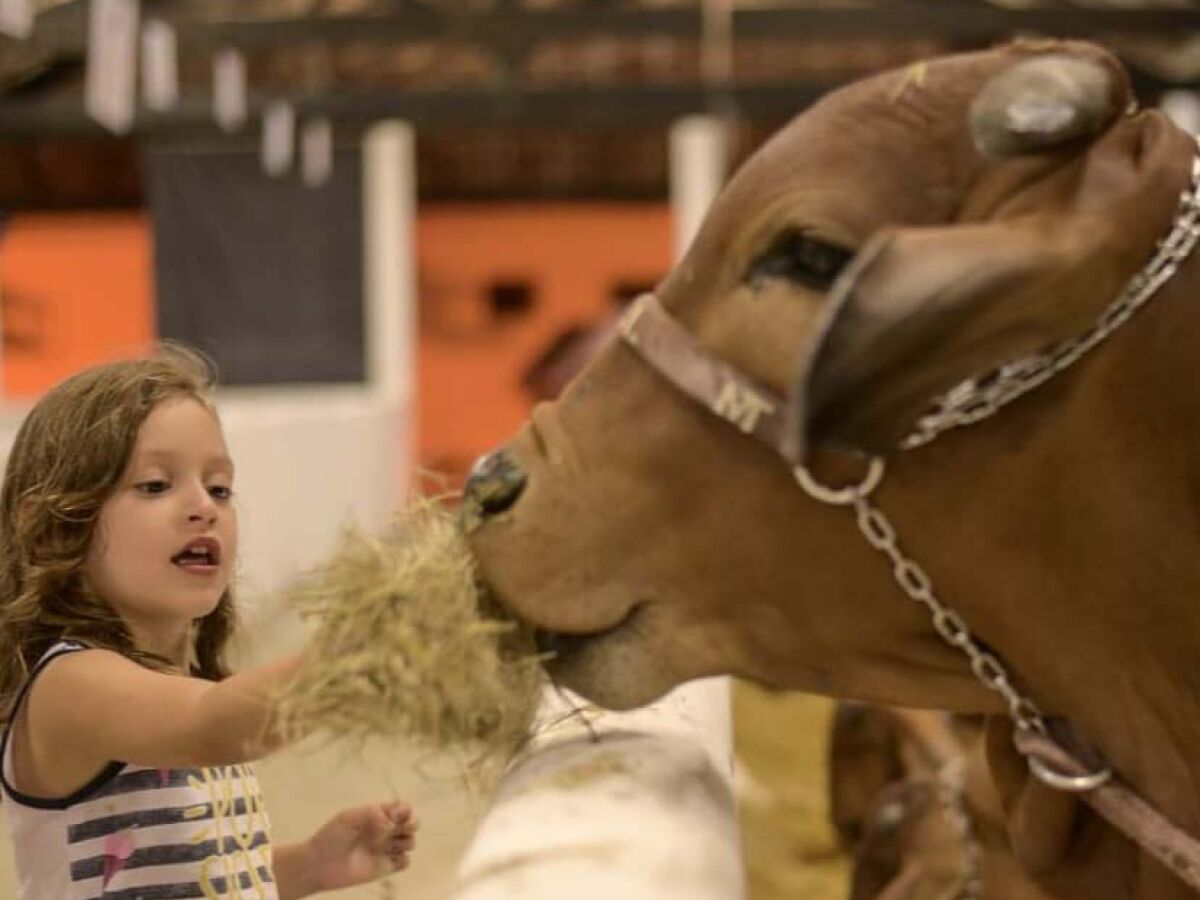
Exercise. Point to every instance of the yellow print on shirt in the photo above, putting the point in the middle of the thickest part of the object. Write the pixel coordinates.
(227, 827)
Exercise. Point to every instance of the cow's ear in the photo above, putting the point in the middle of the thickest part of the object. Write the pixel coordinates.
(920, 309)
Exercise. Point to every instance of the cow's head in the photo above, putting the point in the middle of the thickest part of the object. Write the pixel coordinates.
(904, 233)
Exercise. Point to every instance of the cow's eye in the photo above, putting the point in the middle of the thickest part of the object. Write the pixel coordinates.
(802, 259)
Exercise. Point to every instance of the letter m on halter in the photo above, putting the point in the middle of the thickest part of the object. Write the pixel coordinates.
(740, 405)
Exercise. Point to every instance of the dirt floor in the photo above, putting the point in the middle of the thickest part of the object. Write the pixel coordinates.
(791, 850)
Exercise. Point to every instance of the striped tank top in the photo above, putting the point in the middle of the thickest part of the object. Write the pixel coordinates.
(136, 833)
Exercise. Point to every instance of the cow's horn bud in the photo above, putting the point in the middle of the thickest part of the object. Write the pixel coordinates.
(1041, 103)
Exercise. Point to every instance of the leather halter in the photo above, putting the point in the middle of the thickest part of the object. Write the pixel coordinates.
(725, 390)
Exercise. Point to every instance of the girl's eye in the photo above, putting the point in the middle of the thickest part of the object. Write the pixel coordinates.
(220, 492)
(801, 259)
(153, 486)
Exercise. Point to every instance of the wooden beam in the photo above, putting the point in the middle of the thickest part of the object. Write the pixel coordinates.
(64, 29)
(569, 106)
(575, 107)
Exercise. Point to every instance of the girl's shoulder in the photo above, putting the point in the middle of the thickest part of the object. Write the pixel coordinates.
(70, 676)
(61, 681)
(90, 706)
(81, 667)
(57, 650)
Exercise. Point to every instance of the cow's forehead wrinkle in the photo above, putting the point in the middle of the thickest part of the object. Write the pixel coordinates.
(841, 186)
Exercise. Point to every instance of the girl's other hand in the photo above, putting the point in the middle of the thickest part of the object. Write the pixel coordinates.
(362, 844)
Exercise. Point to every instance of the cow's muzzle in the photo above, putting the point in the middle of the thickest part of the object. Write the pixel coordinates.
(493, 486)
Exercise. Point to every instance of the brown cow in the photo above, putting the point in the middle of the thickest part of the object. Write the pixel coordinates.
(993, 204)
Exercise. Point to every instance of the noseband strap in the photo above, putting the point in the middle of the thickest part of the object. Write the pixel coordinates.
(724, 390)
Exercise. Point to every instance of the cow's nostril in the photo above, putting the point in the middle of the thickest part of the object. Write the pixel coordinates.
(493, 486)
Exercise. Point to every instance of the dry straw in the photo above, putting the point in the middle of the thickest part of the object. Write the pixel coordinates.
(406, 646)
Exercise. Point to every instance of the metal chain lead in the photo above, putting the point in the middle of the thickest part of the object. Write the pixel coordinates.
(977, 398)
(953, 629)
(949, 625)
(986, 666)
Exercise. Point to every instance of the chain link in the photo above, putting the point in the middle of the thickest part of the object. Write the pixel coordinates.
(978, 398)
(950, 626)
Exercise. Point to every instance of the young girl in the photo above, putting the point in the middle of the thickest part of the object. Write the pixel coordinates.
(126, 739)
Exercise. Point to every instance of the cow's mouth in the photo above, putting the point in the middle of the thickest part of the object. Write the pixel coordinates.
(561, 647)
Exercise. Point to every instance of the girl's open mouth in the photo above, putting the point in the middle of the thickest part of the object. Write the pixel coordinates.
(201, 555)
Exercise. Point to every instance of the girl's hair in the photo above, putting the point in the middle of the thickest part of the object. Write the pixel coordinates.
(67, 459)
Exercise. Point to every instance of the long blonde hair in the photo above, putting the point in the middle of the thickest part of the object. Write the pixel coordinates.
(67, 459)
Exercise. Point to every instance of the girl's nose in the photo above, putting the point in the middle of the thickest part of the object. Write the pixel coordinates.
(203, 508)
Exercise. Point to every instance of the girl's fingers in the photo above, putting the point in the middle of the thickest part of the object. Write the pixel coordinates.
(397, 852)
(400, 846)
(371, 818)
(377, 827)
(406, 823)
(398, 811)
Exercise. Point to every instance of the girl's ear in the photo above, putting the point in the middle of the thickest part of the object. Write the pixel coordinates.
(920, 309)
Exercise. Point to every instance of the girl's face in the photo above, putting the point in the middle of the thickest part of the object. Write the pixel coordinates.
(166, 540)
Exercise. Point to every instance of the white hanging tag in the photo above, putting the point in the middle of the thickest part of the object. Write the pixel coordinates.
(316, 152)
(278, 138)
(110, 93)
(160, 66)
(16, 18)
(229, 89)
(1183, 108)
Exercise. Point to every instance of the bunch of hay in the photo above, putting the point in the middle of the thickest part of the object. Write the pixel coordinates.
(406, 645)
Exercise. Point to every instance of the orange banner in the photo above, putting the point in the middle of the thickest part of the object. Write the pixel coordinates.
(76, 289)
(498, 285)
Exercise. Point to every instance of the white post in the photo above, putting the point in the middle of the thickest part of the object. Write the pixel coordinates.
(389, 266)
(698, 157)
(110, 79)
(16, 18)
(636, 805)
(1183, 108)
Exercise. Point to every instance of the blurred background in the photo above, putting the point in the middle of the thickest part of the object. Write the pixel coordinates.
(396, 224)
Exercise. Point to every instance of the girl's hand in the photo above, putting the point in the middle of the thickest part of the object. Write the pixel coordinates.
(362, 844)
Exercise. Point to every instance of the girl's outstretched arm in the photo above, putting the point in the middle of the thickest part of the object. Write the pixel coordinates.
(93, 706)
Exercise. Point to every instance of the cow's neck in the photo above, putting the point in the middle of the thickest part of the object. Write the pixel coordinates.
(1116, 599)
(1155, 740)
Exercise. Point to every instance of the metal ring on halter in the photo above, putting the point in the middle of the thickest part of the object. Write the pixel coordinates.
(843, 496)
(1072, 784)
